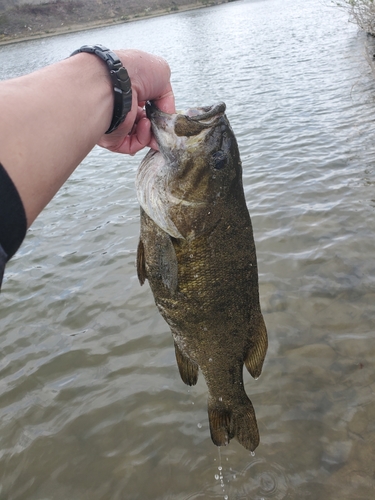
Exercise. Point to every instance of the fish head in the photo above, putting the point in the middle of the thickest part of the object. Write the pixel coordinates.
(198, 145)
(195, 171)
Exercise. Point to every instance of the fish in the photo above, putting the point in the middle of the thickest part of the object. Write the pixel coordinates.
(197, 251)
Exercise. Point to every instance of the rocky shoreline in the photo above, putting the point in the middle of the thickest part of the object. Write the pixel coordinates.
(29, 21)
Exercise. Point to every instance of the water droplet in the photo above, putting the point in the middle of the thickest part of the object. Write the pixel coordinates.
(220, 399)
(225, 497)
(256, 378)
(199, 426)
(252, 453)
(210, 360)
(220, 467)
(234, 476)
(216, 476)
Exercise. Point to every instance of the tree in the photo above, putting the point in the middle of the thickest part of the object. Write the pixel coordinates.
(362, 12)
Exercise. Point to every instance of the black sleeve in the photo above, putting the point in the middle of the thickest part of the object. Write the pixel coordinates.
(3, 259)
(13, 223)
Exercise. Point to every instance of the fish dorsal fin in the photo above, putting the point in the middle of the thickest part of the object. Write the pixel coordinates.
(187, 368)
(256, 354)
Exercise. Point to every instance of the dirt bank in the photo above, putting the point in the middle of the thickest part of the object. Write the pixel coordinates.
(29, 21)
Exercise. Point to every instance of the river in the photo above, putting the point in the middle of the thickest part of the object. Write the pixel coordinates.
(91, 403)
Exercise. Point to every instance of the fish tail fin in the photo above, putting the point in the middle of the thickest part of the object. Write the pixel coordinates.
(239, 422)
(220, 424)
(141, 262)
(187, 368)
(256, 354)
(244, 424)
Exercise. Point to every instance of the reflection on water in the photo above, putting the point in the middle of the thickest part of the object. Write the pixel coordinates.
(91, 403)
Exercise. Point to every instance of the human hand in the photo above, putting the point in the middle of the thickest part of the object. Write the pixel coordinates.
(150, 79)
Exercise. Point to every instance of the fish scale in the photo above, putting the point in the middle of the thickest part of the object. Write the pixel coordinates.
(205, 280)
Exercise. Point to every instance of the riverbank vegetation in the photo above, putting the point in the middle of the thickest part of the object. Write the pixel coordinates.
(361, 12)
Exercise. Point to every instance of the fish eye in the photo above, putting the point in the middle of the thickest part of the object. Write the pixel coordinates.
(219, 159)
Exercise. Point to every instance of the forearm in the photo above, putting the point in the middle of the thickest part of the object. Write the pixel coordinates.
(49, 121)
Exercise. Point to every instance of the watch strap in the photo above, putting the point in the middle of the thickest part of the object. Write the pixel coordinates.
(120, 79)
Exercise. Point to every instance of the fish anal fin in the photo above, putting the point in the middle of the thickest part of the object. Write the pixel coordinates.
(188, 369)
(256, 354)
(220, 425)
(141, 262)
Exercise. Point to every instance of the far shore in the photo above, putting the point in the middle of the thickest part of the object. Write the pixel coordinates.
(101, 24)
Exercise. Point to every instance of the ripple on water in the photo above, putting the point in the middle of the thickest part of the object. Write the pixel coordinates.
(91, 404)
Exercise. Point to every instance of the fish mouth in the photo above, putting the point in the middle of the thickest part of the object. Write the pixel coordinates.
(170, 130)
(151, 109)
(158, 118)
(206, 113)
(195, 114)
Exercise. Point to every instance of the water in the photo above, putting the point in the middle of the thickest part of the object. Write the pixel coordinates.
(91, 403)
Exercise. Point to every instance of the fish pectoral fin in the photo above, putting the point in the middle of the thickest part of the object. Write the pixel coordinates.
(167, 261)
(141, 262)
(188, 369)
(256, 354)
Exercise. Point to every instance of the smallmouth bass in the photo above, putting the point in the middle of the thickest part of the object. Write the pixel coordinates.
(197, 251)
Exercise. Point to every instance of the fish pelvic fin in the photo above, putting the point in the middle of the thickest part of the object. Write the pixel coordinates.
(256, 354)
(239, 422)
(141, 262)
(188, 369)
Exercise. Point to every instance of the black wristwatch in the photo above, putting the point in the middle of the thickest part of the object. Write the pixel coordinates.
(121, 82)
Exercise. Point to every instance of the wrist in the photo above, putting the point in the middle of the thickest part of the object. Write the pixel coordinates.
(95, 87)
(122, 89)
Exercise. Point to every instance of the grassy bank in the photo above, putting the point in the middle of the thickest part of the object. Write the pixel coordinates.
(28, 21)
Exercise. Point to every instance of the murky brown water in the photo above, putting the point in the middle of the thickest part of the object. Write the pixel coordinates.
(91, 402)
